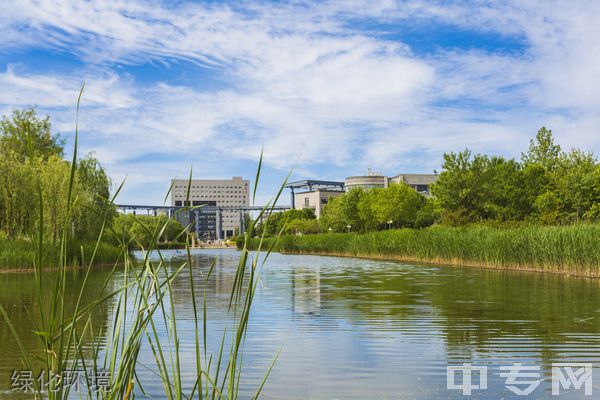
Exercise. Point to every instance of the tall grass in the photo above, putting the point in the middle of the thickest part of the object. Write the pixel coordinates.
(573, 249)
(21, 254)
(143, 310)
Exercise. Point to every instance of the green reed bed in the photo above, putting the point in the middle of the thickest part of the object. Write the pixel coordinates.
(573, 249)
(23, 254)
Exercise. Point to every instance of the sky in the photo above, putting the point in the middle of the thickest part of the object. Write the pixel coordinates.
(327, 89)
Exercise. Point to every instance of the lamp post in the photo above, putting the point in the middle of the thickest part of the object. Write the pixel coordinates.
(390, 224)
(348, 226)
(329, 230)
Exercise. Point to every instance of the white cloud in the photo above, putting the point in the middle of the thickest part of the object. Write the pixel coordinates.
(304, 82)
(104, 90)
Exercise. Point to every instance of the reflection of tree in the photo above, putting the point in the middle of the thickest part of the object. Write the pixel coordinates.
(476, 310)
(502, 306)
(375, 293)
(306, 290)
(18, 296)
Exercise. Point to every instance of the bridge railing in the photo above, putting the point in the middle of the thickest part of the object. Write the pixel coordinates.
(195, 211)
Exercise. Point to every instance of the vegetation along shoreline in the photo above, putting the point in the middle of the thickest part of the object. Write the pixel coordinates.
(568, 250)
(539, 213)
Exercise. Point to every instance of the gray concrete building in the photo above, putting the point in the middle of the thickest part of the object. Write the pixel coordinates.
(370, 181)
(212, 192)
(315, 200)
(315, 195)
(420, 182)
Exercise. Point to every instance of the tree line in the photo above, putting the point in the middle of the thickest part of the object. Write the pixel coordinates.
(34, 183)
(34, 187)
(546, 186)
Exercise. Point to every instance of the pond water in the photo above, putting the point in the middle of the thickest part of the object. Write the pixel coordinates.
(362, 329)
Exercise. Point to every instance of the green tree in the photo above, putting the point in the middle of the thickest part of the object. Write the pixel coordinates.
(573, 189)
(562, 187)
(399, 203)
(540, 164)
(475, 188)
(548, 186)
(32, 169)
(142, 230)
(343, 211)
(276, 221)
(303, 226)
(26, 135)
(429, 214)
(349, 207)
(370, 210)
(593, 212)
(53, 176)
(18, 196)
(366, 209)
(542, 151)
(331, 216)
(94, 197)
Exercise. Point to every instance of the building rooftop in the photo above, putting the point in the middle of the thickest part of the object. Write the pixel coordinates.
(415, 179)
(312, 184)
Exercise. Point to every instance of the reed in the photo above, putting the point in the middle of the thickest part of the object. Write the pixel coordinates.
(21, 254)
(143, 316)
(573, 249)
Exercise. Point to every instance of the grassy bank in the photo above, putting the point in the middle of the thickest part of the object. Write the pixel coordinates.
(571, 249)
(21, 254)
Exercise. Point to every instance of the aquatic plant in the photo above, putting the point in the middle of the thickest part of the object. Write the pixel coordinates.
(22, 254)
(571, 249)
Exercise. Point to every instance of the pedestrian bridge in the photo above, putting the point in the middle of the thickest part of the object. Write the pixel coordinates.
(199, 215)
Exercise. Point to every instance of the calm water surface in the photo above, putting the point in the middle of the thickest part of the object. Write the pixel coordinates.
(360, 329)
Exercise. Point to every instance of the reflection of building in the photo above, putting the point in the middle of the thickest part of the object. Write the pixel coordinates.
(211, 192)
(306, 290)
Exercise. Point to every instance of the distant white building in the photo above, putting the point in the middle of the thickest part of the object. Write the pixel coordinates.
(315, 199)
(420, 182)
(370, 181)
(315, 194)
(212, 192)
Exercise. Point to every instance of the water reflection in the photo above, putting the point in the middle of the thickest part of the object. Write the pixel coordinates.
(306, 290)
(18, 296)
(350, 328)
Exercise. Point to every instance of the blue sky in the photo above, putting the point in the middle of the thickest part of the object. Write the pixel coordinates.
(328, 88)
